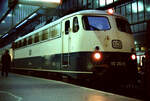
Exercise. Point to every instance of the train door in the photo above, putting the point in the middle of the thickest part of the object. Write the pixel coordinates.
(66, 41)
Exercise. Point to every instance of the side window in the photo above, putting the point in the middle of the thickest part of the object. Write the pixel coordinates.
(20, 43)
(25, 42)
(13, 45)
(75, 24)
(16, 45)
(45, 34)
(67, 26)
(36, 38)
(30, 40)
(54, 32)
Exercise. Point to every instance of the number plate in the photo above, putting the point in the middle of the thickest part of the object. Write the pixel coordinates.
(117, 44)
(117, 64)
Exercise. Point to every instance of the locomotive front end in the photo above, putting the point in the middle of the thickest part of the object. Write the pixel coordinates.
(111, 43)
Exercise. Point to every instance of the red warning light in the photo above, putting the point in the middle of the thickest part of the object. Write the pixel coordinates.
(110, 11)
(133, 56)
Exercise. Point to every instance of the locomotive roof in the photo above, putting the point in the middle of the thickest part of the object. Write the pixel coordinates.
(82, 12)
(91, 12)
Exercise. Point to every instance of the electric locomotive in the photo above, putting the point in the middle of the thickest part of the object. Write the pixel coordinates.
(88, 45)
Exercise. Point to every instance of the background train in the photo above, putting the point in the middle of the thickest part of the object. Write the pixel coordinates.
(90, 45)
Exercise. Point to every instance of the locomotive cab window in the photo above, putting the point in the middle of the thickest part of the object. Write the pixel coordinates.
(123, 25)
(75, 24)
(67, 27)
(95, 23)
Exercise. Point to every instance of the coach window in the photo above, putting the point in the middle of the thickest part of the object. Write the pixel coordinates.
(45, 34)
(30, 40)
(75, 24)
(36, 38)
(67, 26)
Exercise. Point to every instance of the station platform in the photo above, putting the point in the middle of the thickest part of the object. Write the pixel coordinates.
(17, 87)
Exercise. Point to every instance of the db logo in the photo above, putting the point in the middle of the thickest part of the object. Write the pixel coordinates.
(117, 44)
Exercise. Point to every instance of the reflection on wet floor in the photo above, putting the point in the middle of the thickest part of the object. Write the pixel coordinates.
(27, 88)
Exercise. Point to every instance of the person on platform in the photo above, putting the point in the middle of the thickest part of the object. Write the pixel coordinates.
(6, 61)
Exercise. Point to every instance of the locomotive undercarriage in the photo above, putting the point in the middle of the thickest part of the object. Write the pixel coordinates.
(112, 69)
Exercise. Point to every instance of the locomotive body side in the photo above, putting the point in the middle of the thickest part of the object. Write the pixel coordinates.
(70, 45)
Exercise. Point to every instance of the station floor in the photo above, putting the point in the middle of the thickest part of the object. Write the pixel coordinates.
(26, 88)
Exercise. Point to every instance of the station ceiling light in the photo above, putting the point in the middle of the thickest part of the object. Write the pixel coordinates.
(52, 1)
(9, 15)
(3, 21)
(104, 2)
(41, 3)
(138, 7)
(148, 9)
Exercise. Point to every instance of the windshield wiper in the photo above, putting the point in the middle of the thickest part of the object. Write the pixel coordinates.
(94, 27)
